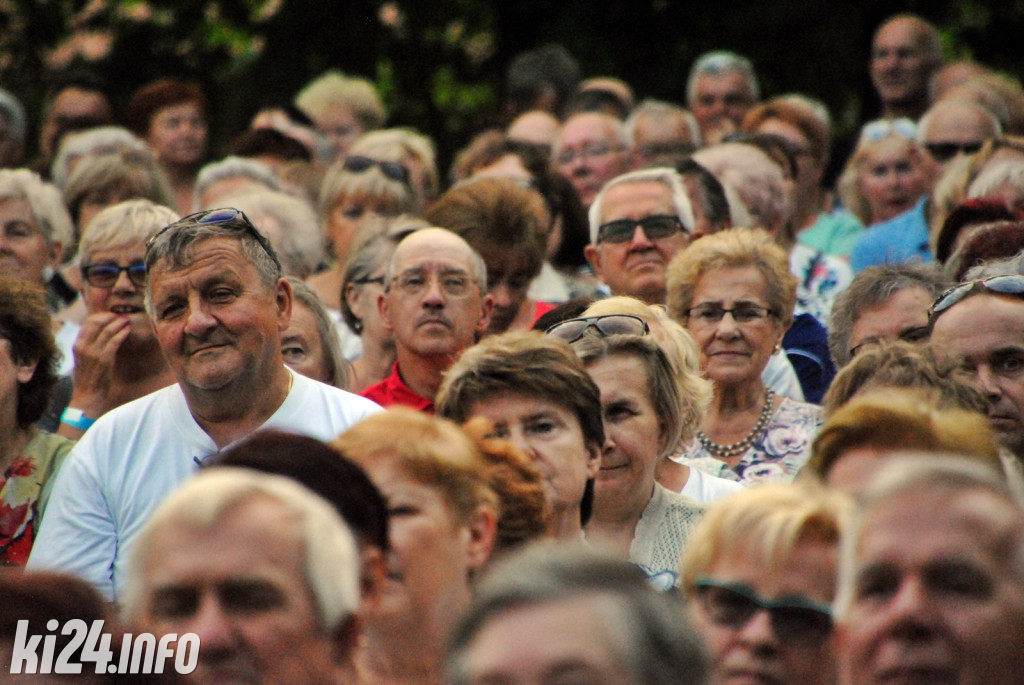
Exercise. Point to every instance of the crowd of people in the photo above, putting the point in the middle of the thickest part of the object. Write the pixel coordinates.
(629, 394)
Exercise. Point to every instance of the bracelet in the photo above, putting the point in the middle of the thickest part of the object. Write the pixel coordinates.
(76, 419)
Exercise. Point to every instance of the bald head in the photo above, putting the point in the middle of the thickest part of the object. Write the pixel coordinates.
(955, 127)
(535, 126)
(905, 52)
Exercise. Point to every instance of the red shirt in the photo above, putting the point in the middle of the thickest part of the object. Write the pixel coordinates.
(393, 390)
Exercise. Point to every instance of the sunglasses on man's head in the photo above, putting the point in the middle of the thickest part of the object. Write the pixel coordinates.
(224, 215)
(796, 621)
(1003, 285)
(357, 164)
(654, 227)
(572, 330)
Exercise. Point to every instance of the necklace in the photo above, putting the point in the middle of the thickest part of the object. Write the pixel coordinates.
(740, 447)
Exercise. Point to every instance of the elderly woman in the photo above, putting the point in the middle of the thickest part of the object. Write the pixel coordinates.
(886, 174)
(644, 414)
(505, 224)
(342, 108)
(117, 355)
(412, 150)
(309, 345)
(441, 529)
(760, 573)
(734, 292)
(171, 116)
(536, 393)
(28, 457)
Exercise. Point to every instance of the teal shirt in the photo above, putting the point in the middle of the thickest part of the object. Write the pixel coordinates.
(834, 233)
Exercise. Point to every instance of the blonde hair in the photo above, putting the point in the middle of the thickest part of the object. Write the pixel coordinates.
(125, 224)
(334, 87)
(848, 184)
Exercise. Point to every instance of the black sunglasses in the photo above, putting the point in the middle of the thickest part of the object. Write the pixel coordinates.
(911, 335)
(105, 275)
(943, 152)
(220, 216)
(796, 621)
(1003, 285)
(654, 227)
(393, 170)
(572, 330)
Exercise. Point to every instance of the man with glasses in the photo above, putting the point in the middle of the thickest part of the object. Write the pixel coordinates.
(638, 222)
(760, 571)
(436, 304)
(218, 303)
(983, 323)
(721, 88)
(590, 151)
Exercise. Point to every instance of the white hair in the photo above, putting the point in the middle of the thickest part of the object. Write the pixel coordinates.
(664, 175)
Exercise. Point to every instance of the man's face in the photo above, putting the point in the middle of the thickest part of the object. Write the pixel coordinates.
(720, 103)
(559, 641)
(938, 595)
(954, 131)
(754, 652)
(73, 108)
(903, 316)
(988, 332)
(590, 153)
(24, 252)
(434, 306)
(900, 65)
(660, 138)
(241, 587)
(637, 266)
(217, 323)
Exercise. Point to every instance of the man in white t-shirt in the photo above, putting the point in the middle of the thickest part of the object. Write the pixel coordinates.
(218, 304)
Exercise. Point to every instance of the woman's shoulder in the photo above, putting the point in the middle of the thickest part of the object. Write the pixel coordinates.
(791, 412)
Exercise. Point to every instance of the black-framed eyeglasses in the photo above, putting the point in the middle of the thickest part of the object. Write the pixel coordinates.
(797, 621)
(223, 215)
(572, 330)
(105, 274)
(357, 164)
(709, 314)
(911, 335)
(655, 227)
(587, 152)
(1003, 285)
(943, 152)
(379, 280)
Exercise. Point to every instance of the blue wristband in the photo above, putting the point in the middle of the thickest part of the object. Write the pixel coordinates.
(76, 419)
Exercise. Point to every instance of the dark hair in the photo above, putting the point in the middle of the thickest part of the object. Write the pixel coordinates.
(25, 322)
(322, 469)
(712, 192)
(570, 309)
(155, 96)
(269, 142)
(986, 243)
(965, 215)
(549, 71)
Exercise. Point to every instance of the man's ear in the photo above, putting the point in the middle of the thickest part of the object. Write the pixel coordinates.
(593, 255)
(283, 297)
(486, 308)
(384, 307)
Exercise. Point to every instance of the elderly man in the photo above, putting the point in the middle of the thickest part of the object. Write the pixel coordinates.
(218, 304)
(637, 223)
(905, 52)
(931, 586)
(886, 302)
(566, 614)
(661, 134)
(436, 304)
(721, 89)
(263, 571)
(590, 151)
(948, 130)
(983, 322)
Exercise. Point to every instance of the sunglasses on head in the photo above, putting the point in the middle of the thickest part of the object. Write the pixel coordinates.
(1003, 285)
(220, 216)
(654, 227)
(797, 621)
(943, 152)
(393, 170)
(880, 128)
(105, 274)
(572, 330)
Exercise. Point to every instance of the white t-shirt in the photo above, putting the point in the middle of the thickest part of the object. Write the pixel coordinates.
(704, 487)
(135, 455)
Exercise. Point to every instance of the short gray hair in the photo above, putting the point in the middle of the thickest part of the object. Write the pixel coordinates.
(718, 63)
(45, 201)
(94, 141)
(233, 167)
(477, 265)
(664, 175)
(332, 562)
(651, 636)
(660, 109)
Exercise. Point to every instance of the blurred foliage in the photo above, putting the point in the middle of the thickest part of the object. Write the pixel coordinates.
(440, 64)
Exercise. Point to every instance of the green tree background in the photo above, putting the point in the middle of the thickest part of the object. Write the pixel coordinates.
(439, 64)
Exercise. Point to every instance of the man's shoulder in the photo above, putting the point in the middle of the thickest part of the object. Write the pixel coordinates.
(313, 403)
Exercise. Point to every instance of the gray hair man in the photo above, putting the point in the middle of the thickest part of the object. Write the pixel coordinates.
(721, 89)
(661, 134)
(905, 52)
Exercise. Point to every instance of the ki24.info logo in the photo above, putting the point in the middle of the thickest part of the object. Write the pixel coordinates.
(138, 653)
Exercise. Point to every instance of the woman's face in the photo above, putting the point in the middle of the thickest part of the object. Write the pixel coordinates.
(123, 298)
(634, 435)
(732, 352)
(301, 346)
(177, 134)
(551, 435)
(808, 169)
(362, 300)
(348, 216)
(431, 551)
(891, 179)
(24, 252)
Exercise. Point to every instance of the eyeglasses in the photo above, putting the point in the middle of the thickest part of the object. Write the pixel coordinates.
(943, 152)
(220, 216)
(911, 335)
(379, 280)
(416, 283)
(105, 275)
(1003, 285)
(709, 314)
(654, 227)
(572, 330)
(393, 170)
(880, 128)
(797, 621)
(587, 152)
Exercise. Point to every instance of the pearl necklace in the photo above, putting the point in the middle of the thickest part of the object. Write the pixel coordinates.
(740, 447)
